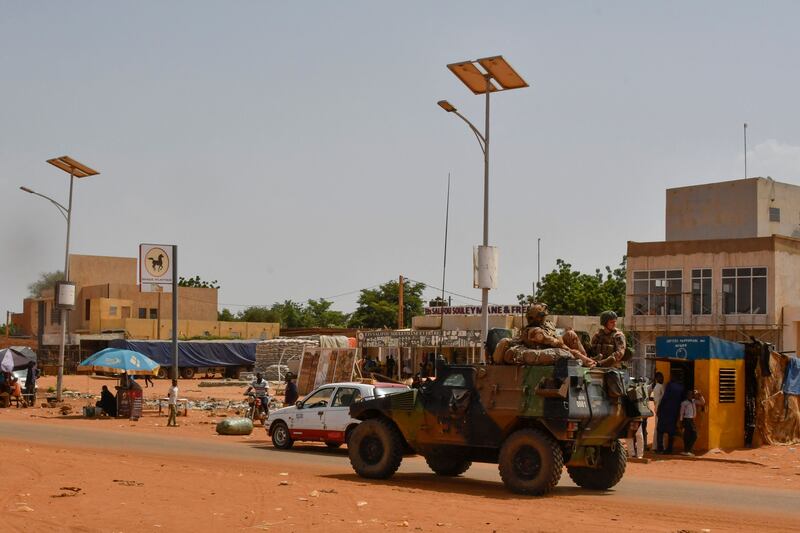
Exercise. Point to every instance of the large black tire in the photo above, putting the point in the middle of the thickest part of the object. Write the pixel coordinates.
(530, 462)
(446, 462)
(375, 449)
(187, 372)
(281, 438)
(613, 461)
(163, 372)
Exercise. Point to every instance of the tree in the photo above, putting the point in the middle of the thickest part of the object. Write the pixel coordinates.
(226, 316)
(569, 292)
(47, 280)
(197, 282)
(258, 313)
(438, 302)
(377, 308)
(319, 314)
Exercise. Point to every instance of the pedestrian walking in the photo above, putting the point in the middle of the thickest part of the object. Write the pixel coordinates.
(148, 381)
(687, 416)
(172, 401)
(657, 394)
(669, 412)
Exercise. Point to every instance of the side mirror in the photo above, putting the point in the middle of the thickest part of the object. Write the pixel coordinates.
(299, 404)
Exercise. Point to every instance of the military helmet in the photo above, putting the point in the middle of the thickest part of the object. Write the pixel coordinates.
(536, 313)
(605, 316)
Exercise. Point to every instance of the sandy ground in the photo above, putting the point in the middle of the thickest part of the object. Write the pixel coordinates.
(73, 474)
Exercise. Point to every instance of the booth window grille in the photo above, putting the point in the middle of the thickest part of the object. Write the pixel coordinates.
(727, 385)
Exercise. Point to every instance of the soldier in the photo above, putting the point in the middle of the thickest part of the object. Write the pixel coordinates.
(540, 334)
(608, 344)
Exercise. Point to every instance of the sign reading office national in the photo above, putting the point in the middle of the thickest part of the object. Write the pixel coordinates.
(155, 267)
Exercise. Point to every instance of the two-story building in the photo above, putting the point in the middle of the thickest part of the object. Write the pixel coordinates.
(729, 267)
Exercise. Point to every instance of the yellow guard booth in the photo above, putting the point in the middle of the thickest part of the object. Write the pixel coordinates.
(715, 367)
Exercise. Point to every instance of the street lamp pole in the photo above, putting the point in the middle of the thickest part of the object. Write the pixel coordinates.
(480, 82)
(75, 170)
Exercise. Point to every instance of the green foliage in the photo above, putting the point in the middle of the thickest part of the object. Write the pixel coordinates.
(226, 316)
(569, 292)
(47, 280)
(377, 308)
(197, 282)
(290, 314)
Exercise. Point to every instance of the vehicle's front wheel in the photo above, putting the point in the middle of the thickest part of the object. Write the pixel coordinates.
(375, 449)
(613, 461)
(530, 462)
(280, 436)
(446, 462)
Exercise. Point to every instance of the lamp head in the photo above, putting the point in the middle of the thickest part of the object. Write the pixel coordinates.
(447, 106)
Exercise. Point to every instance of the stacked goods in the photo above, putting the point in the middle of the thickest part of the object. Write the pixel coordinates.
(521, 355)
(273, 355)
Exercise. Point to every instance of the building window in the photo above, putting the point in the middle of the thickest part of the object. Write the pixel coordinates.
(87, 313)
(744, 291)
(657, 292)
(142, 312)
(153, 314)
(774, 214)
(701, 291)
(112, 310)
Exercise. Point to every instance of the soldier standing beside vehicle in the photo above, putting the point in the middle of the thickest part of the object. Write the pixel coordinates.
(608, 344)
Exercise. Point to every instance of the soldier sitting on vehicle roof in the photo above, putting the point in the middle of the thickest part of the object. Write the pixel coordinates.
(608, 345)
(540, 334)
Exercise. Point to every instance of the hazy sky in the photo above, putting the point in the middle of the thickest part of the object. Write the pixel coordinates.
(295, 149)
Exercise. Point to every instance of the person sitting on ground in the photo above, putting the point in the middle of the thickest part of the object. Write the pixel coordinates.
(290, 395)
(540, 334)
(687, 416)
(107, 402)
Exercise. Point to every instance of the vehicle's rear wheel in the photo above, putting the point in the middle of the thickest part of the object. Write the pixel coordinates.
(530, 462)
(280, 436)
(375, 449)
(333, 445)
(163, 373)
(613, 461)
(187, 372)
(447, 462)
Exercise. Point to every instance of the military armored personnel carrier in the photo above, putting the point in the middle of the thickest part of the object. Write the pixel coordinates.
(530, 420)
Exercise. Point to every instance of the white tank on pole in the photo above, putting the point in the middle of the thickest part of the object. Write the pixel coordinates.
(484, 267)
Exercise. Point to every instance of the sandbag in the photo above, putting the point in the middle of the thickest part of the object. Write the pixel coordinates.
(520, 355)
(235, 426)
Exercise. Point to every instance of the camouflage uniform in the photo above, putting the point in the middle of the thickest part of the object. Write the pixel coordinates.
(608, 347)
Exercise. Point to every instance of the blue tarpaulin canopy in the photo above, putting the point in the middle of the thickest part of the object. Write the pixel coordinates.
(694, 348)
(194, 353)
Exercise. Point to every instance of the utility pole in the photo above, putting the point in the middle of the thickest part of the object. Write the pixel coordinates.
(745, 150)
(400, 290)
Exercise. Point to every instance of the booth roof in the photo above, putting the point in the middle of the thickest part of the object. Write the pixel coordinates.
(694, 348)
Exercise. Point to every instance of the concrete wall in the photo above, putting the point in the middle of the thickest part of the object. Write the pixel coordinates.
(724, 210)
(732, 210)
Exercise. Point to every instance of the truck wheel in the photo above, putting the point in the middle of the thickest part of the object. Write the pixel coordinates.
(375, 449)
(613, 461)
(187, 372)
(530, 462)
(447, 462)
(163, 373)
(280, 436)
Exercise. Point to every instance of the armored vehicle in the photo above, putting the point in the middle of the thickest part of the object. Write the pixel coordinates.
(530, 420)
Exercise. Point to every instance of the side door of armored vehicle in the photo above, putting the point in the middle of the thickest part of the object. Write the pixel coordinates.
(446, 402)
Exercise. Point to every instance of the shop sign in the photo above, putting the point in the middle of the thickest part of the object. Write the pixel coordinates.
(419, 339)
(476, 310)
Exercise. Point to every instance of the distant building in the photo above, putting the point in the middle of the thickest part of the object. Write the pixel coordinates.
(729, 267)
(108, 300)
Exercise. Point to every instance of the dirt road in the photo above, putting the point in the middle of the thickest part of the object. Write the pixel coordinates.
(132, 481)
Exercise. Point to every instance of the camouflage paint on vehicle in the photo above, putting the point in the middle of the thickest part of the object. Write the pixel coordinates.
(475, 408)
